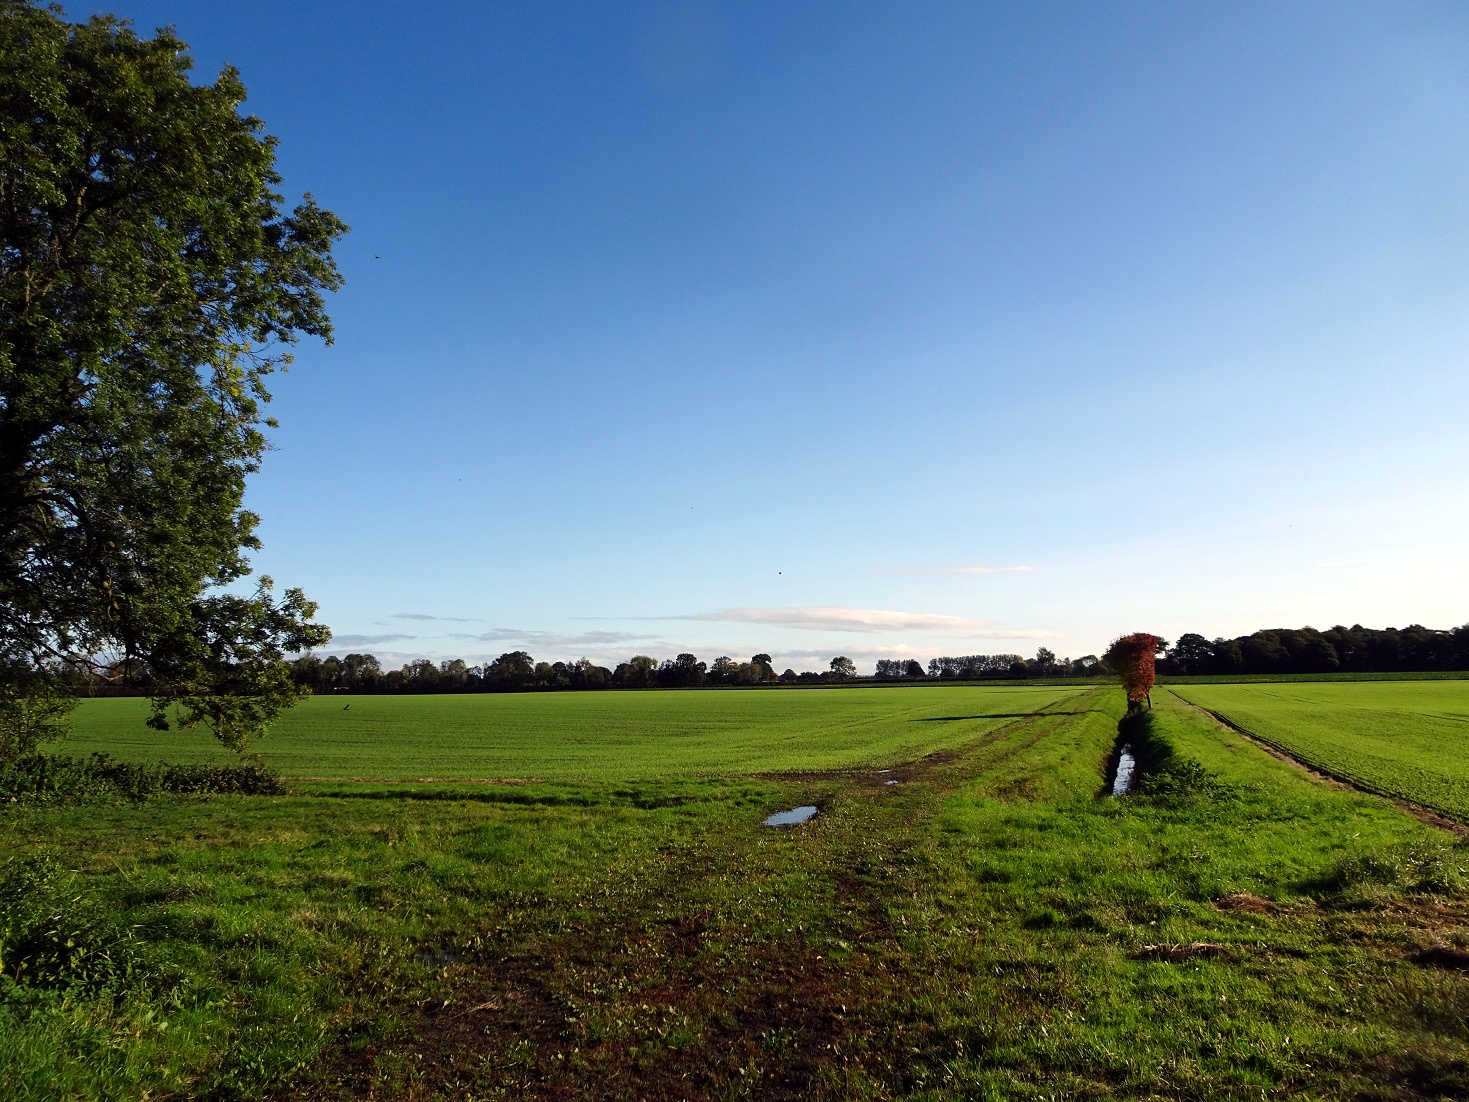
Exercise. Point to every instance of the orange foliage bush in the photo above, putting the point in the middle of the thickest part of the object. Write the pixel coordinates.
(1133, 657)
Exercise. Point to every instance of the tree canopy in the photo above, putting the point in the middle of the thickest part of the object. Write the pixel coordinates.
(150, 282)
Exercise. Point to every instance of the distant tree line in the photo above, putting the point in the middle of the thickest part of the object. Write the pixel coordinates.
(1305, 650)
(1270, 651)
(517, 671)
(986, 667)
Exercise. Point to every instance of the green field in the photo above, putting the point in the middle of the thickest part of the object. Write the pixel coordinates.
(1317, 678)
(1404, 739)
(990, 926)
(578, 736)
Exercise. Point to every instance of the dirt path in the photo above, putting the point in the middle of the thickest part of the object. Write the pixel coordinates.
(543, 1011)
(1325, 776)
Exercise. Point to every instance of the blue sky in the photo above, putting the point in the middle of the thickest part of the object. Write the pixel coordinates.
(871, 329)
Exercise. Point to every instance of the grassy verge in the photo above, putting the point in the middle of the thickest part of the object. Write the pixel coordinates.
(986, 927)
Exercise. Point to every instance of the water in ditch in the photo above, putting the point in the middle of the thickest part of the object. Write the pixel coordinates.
(1126, 763)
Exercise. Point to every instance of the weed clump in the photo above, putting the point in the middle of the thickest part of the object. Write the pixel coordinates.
(1365, 880)
(54, 934)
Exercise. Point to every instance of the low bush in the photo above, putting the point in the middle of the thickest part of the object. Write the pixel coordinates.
(45, 777)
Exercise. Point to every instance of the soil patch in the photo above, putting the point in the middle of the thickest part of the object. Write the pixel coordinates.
(1442, 956)
(1247, 903)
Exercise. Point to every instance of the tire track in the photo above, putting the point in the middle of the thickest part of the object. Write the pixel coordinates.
(1422, 812)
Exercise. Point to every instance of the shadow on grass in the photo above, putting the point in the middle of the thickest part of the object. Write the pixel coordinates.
(524, 799)
(1002, 715)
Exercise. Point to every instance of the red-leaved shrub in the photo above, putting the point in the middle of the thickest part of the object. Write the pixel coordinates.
(1132, 657)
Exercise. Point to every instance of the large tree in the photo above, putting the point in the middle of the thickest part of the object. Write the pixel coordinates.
(150, 282)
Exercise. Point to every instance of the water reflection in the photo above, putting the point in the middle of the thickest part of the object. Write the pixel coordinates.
(792, 817)
(1126, 763)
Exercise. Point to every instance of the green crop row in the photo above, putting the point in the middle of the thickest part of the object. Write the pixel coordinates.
(1404, 739)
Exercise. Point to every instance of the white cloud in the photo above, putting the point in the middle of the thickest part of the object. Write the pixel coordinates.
(832, 618)
(868, 620)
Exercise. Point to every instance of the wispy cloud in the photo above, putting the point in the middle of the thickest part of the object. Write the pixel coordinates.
(426, 616)
(990, 570)
(531, 638)
(832, 618)
(344, 641)
(866, 620)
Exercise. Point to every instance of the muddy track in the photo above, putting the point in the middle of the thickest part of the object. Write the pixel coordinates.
(516, 1024)
(1325, 776)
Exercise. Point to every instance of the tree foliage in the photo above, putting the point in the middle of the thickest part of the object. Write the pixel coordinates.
(1306, 650)
(1133, 657)
(150, 283)
(33, 710)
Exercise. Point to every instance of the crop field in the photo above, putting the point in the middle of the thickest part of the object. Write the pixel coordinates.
(988, 924)
(579, 736)
(1311, 678)
(1404, 739)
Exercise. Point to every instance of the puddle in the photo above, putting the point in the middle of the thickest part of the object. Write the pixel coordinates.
(889, 782)
(792, 817)
(441, 958)
(1126, 763)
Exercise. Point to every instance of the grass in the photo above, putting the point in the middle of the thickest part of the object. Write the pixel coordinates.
(580, 736)
(1399, 739)
(987, 927)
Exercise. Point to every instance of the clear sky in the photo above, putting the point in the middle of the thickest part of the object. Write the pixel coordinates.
(877, 329)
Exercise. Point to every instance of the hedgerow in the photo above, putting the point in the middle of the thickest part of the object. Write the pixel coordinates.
(47, 777)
